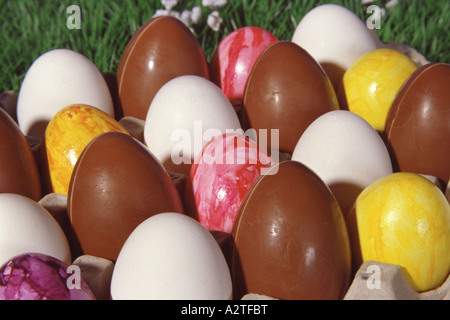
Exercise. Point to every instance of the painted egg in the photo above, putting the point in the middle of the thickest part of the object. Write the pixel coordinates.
(162, 49)
(116, 184)
(372, 82)
(418, 123)
(57, 79)
(234, 58)
(66, 136)
(36, 276)
(403, 219)
(28, 227)
(286, 91)
(186, 113)
(290, 238)
(170, 256)
(335, 37)
(19, 172)
(346, 152)
(221, 176)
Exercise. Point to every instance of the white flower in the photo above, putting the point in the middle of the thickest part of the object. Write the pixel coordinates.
(367, 1)
(390, 4)
(214, 20)
(186, 17)
(196, 14)
(169, 4)
(214, 4)
(161, 12)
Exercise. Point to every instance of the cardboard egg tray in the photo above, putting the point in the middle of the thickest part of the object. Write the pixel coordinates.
(372, 281)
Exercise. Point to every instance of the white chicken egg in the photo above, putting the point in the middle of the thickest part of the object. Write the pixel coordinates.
(55, 80)
(335, 37)
(171, 256)
(346, 152)
(185, 114)
(27, 227)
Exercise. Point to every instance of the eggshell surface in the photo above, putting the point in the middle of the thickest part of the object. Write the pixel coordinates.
(19, 172)
(335, 37)
(286, 91)
(234, 58)
(346, 152)
(28, 227)
(116, 184)
(290, 237)
(161, 50)
(66, 136)
(418, 123)
(186, 113)
(57, 79)
(371, 84)
(171, 257)
(35, 276)
(404, 219)
(221, 176)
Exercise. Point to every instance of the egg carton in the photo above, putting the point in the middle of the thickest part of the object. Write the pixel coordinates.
(390, 285)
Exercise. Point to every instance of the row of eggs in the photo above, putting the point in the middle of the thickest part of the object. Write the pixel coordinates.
(117, 175)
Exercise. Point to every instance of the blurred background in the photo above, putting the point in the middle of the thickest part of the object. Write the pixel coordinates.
(30, 28)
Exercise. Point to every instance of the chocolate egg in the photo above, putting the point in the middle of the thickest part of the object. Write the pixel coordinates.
(286, 91)
(290, 238)
(116, 184)
(418, 126)
(18, 169)
(162, 49)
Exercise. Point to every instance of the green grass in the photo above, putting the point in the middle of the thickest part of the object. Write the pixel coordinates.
(30, 28)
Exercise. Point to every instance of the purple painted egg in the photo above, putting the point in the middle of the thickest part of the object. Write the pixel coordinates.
(234, 58)
(36, 276)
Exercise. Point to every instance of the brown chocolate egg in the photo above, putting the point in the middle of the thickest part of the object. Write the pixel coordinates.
(161, 50)
(19, 172)
(418, 123)
(116, 184)
(290, 238)
(286, 90)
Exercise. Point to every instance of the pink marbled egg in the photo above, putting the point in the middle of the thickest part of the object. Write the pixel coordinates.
(220, 178)
(234, 58)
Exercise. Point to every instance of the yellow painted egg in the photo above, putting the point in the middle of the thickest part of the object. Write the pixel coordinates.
(371, 83)
(66, 136)
(403, 219)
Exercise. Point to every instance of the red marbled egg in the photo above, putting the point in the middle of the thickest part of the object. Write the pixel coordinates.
(235, 57)
(220, 178)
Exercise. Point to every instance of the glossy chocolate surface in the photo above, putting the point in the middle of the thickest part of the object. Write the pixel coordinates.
(116, 184)
(418, 124)
(19, 172)
(161, 50)
(286, 90)
(290, 238)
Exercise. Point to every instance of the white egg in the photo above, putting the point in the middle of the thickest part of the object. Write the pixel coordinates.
(185, 114)
(27, 227)
(55, 80)
(171, 256)
(335, 37)
(346, 152)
